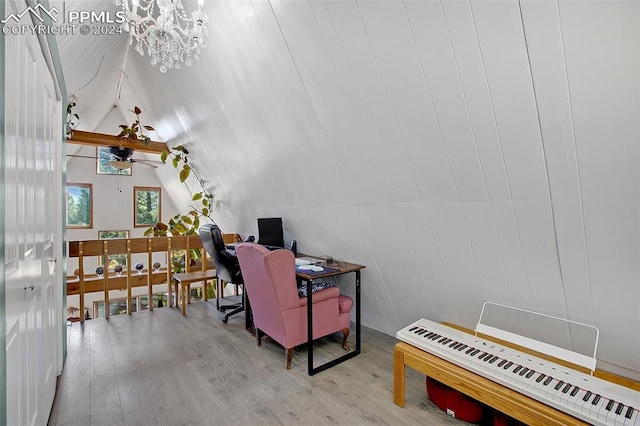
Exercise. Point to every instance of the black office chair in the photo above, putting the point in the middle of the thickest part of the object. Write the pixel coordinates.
(227, 266)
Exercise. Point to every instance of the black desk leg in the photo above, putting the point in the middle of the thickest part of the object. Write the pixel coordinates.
(344, 357)
(357, 312)
(309, 327)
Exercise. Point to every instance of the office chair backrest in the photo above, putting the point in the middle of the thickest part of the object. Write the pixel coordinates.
(212, 241)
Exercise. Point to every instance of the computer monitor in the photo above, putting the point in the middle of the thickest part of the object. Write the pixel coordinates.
(270, 231)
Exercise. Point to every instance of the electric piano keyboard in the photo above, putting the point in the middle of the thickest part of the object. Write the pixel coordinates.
(581, 395)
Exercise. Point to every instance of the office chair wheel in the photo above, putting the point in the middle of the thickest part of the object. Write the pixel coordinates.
(225, 319)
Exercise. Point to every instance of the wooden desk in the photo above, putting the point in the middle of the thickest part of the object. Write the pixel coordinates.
(184, 279)
(336, 268)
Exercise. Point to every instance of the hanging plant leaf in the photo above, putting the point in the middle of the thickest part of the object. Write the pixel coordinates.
(184, 173)
(180, 229)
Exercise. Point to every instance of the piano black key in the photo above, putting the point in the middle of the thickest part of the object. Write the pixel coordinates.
(475, 352)
(609, 405)
(548, 380)
(524, 371)
(501, 363)
(515, 370)
(629, 412)
(469, 351)
(559, 385)
(530, 374)
(619, 408)
(494, 359)
(596, 400)
(442, 340)
(574, 391)
(508, 365)
(586, 396)
(566, 388)
(462, 347)
(421, 331)
(540, 377)
(455, 345)
(413, 328)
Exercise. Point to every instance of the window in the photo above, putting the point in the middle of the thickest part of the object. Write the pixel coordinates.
(103, 158)
(79, 205)
(114, 259)
(146, 202)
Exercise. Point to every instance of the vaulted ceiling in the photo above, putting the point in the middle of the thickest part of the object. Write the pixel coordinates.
(463, 151)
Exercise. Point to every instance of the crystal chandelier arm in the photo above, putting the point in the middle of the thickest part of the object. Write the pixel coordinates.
(169, 35)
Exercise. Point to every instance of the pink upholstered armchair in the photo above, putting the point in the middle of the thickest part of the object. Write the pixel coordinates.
(278, 311)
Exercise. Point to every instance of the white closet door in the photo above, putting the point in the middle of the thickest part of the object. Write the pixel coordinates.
(32, 154)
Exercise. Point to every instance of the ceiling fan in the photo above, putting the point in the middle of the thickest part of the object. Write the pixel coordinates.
(118, 157)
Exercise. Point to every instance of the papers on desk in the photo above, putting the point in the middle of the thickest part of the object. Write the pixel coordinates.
(301, 261)
(313, 268)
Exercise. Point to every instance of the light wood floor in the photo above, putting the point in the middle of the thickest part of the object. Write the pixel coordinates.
(160, 368)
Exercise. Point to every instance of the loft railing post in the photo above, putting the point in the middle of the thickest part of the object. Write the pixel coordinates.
(203, 253)
(105, 263)
(187, 268)
(169, 273)
(81, 273)
(129, 307)
(149, 276)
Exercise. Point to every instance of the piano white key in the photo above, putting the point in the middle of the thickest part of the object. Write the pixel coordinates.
(576, 401)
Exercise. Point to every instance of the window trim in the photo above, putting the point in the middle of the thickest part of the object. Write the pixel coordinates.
(137, 189)
(79, 185)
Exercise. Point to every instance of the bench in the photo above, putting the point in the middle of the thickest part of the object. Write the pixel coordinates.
(184, 280)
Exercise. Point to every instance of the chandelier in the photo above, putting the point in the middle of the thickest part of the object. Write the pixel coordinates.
(162, 28)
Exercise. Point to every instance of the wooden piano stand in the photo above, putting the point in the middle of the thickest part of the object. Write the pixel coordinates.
(503, 399)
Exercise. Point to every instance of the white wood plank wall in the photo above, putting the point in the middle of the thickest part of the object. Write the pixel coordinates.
(463, 150)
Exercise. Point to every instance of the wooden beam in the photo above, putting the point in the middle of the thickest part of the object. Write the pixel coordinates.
(100, 139)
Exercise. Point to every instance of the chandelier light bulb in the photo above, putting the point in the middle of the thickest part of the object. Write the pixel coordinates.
(163, 29)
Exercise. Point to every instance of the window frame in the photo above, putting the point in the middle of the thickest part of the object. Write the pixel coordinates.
(136, 190)
(88, 186)
(107, 169)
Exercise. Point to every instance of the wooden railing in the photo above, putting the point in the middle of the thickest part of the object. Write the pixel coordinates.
(88, 283)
